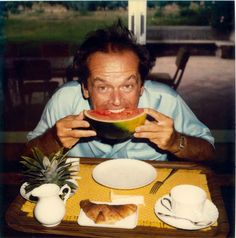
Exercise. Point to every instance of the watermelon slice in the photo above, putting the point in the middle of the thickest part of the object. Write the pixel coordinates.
(115, 125)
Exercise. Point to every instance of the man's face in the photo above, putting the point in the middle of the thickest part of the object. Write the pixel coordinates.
(114, 82)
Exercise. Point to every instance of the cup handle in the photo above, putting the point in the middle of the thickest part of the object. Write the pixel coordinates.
(166, 202)
(65, 193)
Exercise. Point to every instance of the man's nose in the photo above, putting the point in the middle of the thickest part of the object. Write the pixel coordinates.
(116, 97)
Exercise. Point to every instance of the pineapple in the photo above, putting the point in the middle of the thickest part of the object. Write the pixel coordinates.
(41, 169)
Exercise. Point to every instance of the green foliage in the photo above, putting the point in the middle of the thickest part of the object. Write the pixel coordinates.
(72, 30)
(41, 169)
(13, 6)
(158, 13)
(218, 14)
(72, 26)
(198, 16)
(222, 17)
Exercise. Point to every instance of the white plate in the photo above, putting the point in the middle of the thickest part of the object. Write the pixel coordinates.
(31, 198)
(124, 173)
(129, 222)
(210, 213)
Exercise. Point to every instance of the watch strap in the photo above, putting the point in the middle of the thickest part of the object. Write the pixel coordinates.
(182, 143)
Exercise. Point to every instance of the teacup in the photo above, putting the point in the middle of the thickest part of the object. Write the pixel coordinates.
(186, 201)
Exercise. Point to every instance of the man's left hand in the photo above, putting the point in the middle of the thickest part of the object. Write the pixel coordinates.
(159, 131)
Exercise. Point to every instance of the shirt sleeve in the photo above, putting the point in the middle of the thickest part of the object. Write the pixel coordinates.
(66, 101)
(187, 123)
(167, 101)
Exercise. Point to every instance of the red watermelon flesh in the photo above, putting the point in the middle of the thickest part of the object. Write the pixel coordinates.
(110, 115)
(115, 125)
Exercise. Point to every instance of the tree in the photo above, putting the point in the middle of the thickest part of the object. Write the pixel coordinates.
(222, 17)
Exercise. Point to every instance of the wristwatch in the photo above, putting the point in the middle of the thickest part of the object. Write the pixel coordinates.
(182, 143)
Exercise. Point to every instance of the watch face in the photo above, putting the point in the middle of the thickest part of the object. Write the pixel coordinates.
(182, 142)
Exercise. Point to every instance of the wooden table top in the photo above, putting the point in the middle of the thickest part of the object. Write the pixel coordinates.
(18, 220)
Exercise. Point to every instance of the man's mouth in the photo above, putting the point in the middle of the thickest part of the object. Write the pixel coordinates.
(117, 110)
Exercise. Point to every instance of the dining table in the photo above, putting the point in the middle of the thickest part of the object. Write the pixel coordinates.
(20, 217)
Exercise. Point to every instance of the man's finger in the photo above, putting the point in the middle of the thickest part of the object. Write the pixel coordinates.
(153, 127)
(155, 114)
(82, 133)
(149, 135)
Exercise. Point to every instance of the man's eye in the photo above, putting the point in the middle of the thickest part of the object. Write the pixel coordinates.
(127, 87)
(102, 88)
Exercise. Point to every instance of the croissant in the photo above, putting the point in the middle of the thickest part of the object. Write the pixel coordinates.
(107, 214)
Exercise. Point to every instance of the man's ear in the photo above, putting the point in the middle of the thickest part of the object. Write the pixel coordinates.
(85, 91)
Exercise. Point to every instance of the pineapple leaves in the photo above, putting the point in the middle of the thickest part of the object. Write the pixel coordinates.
(28, 164)
(38, 155)
(46, 162)
(71, 185)
(41, 169)
(31, 186)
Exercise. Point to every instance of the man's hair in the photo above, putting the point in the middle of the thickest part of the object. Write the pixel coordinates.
(114, 38)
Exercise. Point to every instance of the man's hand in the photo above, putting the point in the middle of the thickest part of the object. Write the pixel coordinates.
(71, 128)
(162, 133)
(159, 131)
(65, 133)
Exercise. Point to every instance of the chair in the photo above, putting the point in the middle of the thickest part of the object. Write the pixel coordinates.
(55, 49)
(180, 62)
(34, 75)
(59, 54)
(29, 50)
(11, 50)
(71, 73)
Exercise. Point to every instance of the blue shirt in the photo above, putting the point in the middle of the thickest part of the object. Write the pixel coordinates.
(68, 100)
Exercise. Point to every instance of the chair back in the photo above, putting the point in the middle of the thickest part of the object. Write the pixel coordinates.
(33, 69)
(34, 75)
(55, 49)
(181, 62)
(71, 72)
(182, 58)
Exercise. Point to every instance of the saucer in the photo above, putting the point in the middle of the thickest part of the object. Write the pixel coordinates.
(210, 213)
(28, 196)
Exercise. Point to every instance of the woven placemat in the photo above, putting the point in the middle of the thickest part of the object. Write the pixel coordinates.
(89, 189)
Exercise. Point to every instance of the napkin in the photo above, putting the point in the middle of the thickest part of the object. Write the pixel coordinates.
(125, 199)
(89, 189)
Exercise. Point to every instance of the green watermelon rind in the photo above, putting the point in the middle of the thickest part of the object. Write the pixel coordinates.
(117, 129)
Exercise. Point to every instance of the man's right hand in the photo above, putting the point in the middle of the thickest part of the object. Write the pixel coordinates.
(71, 128)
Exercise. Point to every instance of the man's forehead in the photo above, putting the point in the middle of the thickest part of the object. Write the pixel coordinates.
(113, 58)
(131, 78)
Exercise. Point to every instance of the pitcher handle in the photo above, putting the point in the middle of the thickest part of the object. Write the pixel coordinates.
(67, 194)
(167, 205)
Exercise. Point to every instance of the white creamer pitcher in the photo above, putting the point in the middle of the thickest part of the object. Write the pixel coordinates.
(50, 208)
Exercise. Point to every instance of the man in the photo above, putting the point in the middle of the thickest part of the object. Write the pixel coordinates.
(112, 70)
